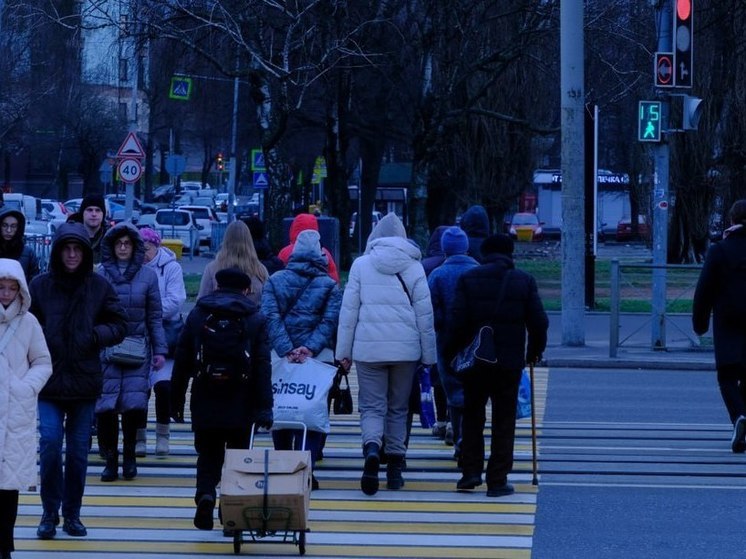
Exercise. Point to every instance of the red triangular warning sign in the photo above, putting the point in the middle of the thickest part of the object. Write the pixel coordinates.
(131, 147)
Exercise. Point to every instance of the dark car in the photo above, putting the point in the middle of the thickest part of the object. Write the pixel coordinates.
(245, 207)
(624, 229)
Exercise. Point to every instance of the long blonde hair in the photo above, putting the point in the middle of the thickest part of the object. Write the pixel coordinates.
(237, 251)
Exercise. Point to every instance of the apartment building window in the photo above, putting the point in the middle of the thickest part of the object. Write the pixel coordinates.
(123, 70)
(123, 111)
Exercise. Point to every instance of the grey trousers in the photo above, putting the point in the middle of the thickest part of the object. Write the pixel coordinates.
(383, 401)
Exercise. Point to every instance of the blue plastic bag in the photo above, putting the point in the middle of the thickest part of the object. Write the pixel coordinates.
(523, 409)
(427, 406)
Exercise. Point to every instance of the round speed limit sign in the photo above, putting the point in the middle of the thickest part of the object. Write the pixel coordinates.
(130, 170)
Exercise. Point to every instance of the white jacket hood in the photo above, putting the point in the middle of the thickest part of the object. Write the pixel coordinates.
(11, 269)
(392, 255)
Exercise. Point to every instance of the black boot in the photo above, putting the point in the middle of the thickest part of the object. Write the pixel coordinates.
(129, 462)
(369, 481)
(112, 465)
(394, 479)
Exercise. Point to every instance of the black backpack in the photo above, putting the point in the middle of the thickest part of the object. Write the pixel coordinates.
(223, 350)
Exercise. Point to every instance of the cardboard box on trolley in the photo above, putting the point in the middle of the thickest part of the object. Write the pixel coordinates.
(274, 498)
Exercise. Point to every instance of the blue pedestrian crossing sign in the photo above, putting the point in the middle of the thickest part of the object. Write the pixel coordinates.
(257, 160)
(181, 88)
(261, 181)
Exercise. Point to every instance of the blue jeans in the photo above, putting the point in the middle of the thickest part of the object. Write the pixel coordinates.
(72, 421)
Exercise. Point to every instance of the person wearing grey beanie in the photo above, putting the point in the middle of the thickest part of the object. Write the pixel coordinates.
(301, 304)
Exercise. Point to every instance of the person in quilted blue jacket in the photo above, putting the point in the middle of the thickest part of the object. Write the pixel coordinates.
(302, 304)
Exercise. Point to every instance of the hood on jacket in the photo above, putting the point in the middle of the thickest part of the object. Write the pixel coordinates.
(119, 230)
(391, 255)
(227, 301)
(11, 269)
(302, 222)
(307, 250)
(389, 226)
(475, 222)
(14, 247)
(161, 258)
(433, 245)
(5, 212)
(71, 232)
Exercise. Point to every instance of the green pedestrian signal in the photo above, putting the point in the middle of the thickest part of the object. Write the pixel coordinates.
(649, 121)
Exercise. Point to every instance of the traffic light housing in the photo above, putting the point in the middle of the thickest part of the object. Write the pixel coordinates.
(683, 43)
(691, 112)
(649, 121)
(219, 162)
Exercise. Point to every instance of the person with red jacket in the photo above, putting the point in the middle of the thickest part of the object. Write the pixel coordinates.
(303, 222)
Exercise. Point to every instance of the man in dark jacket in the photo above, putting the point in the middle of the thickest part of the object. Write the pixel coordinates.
(223, 408)
(520, 311)
(721, 292)
(476, 224)
(80, 315)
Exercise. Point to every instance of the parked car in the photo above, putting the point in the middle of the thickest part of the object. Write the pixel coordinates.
(245, 207)
(177, 224)
(118, 211)
(52, 209)
(624, 229)
(375, 218)
(205, 216)
(525, 226)
(164, 193)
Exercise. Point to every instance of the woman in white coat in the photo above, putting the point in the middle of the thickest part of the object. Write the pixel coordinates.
(25, 366)
(386, 327)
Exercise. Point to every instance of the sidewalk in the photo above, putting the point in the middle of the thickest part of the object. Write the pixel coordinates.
(635, 351)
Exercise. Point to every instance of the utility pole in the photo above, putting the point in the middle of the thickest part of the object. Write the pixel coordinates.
(661, 204)
(573, 220)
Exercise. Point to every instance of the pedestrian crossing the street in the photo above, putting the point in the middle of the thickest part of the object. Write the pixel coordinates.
(151, 516)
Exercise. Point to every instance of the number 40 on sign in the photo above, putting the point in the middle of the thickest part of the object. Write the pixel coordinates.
(130, 170)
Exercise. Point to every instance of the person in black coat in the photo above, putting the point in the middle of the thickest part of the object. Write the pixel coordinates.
(721, 291)
(476, 224)
(222, 410)
(12, 243)
(80, 314)
(261, 245)
(519, 313)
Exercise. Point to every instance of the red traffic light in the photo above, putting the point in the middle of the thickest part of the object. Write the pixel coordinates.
(683, 9)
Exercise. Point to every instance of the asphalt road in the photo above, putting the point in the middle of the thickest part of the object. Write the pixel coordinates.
(638, 464)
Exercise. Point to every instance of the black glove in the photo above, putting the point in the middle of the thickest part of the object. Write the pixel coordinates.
(264, 420)
(177, 413)
(534, 359)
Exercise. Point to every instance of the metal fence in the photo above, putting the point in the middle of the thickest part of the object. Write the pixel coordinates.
(42, 247)
(633, 282)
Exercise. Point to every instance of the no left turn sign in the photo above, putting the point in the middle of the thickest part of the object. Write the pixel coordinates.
(130, 170)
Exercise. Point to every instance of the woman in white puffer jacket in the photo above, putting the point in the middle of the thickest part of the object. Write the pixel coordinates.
(386, 328)
(25, 366)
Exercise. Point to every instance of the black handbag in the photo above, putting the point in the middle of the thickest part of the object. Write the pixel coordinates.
(341, 393)
(481, 349)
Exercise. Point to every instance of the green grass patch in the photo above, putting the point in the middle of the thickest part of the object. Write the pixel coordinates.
(191, 283)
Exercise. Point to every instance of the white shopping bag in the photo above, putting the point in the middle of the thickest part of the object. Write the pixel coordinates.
(300, 391)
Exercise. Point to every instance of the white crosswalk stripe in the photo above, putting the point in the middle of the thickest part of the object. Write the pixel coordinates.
(151, 516)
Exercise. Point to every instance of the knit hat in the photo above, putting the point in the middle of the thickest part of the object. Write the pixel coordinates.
(150, 236)
(308, 241)
(232, 278)
(454, 241)
(499, 243)
(93, 200)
